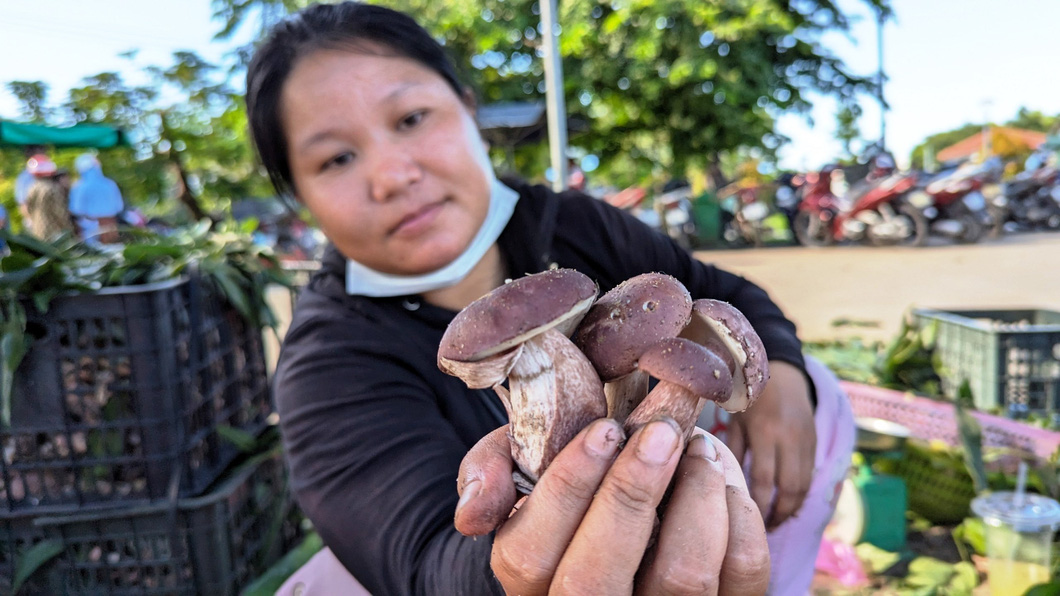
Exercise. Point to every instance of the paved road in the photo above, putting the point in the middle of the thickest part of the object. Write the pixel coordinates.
(816, 286)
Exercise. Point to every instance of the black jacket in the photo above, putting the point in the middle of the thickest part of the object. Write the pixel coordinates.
(375, 433)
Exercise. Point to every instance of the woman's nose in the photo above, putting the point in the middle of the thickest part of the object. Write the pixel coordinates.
(393, 171)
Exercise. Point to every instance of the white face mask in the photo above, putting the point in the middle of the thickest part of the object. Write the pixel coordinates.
(363, 281)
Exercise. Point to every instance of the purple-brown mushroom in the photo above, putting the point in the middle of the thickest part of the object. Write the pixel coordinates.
(519, 332)
(721, 327)
(689, 375)
(622, 325)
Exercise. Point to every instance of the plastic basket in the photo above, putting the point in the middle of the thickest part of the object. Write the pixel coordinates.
(213, 544)
(1011, 358)
(121, 395)
(940, 487)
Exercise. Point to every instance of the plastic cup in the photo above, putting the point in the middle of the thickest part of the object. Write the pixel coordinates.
(1019, 539)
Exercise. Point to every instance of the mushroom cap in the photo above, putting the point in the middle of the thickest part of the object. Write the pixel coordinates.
(629, 319)
(516, 311)
(689, 365)
(714, 320)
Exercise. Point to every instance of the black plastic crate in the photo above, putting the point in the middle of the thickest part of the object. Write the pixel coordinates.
(1011, 358)
(121, 395)
(213, 544)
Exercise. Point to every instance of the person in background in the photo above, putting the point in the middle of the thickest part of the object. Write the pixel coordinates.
(4, 223)
(95, 201)
(26, 179)
(47, 201)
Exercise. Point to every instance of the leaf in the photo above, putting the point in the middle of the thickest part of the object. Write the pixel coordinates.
(1050, 589)
(33, 559)
(973, 533)
(965, 578)
(243, 440)
(879, 560)
(971, 438)
(927, 572)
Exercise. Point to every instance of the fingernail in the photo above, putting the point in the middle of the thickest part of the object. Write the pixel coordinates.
(701, 446)
(471, 490)
(602, 439)
(658, 441)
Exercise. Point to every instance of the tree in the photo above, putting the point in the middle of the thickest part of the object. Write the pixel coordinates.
(1034, 120)
(192, 145)
(940, 141)
(847, 130)
(32, 97)
(667, 85)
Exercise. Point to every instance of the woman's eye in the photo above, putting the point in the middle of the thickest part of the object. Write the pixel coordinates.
(339, 160)
(412, 119)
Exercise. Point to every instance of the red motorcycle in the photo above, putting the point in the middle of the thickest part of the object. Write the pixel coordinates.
(961, 203)
(880, 211)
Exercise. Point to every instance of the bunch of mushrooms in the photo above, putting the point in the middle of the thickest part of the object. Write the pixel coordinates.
(569, 358)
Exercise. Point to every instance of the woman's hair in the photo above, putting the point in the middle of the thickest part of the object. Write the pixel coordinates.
(347, 25)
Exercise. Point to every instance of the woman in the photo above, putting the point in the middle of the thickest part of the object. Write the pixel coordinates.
(357, 113)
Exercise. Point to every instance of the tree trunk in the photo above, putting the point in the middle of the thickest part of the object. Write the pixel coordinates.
(184, 195)
(714, 175)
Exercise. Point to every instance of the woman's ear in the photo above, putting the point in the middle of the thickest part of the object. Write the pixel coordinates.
(469, 101)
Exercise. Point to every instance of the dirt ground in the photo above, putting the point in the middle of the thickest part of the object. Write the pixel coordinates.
(875, 286)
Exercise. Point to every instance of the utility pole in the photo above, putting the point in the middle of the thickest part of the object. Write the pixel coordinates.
(880, 19)
(556, 105)
(986, 103)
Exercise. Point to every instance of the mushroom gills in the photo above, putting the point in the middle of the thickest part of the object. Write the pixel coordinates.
(714, 335)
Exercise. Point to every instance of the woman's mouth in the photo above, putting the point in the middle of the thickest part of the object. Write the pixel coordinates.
(416, 222)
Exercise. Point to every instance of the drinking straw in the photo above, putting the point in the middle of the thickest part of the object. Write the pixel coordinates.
(1021, 485)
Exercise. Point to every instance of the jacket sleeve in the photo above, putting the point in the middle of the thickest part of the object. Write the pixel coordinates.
(622, 244)
(374, 462)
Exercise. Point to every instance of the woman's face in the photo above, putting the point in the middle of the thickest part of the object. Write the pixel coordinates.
(386, 157)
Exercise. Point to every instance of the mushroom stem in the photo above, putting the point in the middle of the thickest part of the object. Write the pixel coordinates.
(625, 393)
(554, 393)
(667, 399)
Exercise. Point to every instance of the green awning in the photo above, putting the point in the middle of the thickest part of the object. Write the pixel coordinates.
(99, 136)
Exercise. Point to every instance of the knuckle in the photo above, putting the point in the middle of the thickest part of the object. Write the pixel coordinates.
(747, 566)
(762, 477)
(628, 495)
(520, 565)
(684, 579)
(567, 485)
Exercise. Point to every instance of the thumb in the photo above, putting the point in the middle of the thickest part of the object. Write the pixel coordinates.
(487, 493)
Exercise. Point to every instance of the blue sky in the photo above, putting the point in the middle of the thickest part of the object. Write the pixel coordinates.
(950, 62)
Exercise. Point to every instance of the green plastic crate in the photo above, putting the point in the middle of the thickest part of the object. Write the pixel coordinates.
(1011, 358)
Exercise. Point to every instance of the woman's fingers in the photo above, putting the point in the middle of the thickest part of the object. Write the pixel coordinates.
(694, 534)
(529, 546)
(484, 483)
(794, 474)
(608, 547)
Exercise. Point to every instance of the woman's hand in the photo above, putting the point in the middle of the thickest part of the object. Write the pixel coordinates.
(588, 526)
(779, 432)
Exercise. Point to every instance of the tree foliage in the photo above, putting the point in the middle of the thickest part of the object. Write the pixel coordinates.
(665, 84)
(847, 130)
(189, 136)
(1002, 144)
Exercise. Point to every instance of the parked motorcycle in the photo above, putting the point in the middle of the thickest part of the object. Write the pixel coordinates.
(747, 212)
(956, 202)
(674, 207)
(1034, 198)
(880, 210)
